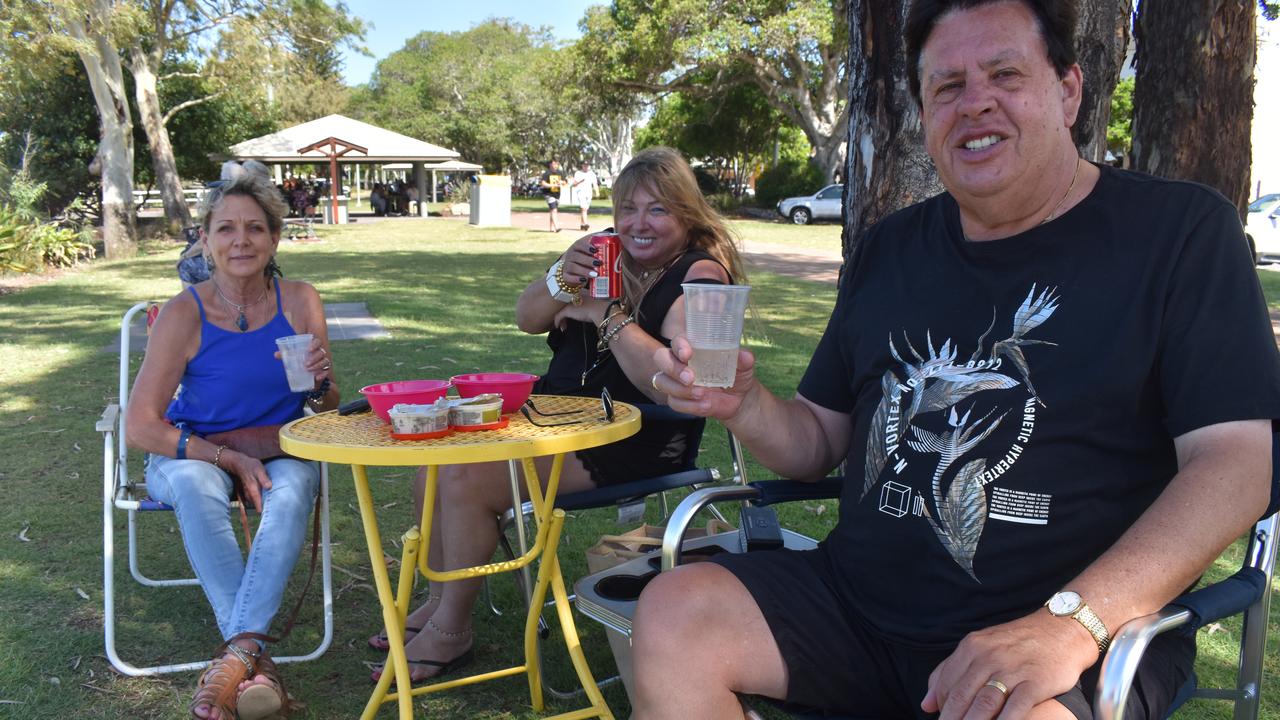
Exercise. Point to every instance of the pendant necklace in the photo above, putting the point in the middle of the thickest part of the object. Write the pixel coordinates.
(241, 322)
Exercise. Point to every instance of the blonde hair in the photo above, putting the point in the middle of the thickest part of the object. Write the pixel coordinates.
(665, 173)
(249, 179)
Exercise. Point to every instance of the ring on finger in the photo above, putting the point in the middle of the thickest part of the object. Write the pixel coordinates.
(993, 683)
(653, 381)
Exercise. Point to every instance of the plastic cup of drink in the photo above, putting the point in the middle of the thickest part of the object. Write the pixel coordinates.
(713, 325)
(293, 353)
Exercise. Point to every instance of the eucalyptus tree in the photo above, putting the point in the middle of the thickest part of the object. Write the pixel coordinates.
(794, 51)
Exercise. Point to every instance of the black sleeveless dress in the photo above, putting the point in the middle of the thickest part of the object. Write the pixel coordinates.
(578, 369)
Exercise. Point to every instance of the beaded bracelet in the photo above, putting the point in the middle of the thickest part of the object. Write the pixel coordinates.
(318, 394)
(609, 337)
(217, 455)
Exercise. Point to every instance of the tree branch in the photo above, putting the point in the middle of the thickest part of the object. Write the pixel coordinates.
(190, 103)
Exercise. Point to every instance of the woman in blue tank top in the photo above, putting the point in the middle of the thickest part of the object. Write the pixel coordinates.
(207, 406)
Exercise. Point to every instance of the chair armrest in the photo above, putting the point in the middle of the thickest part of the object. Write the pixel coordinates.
(1120, 666)
(684, 513)
(781, 491)
(110, 417)
(634, 490)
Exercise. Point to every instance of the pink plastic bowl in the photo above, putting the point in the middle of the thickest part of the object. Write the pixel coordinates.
(383, 396)
(514, 387)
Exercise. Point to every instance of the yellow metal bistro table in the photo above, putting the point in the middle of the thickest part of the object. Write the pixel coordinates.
(363, 439)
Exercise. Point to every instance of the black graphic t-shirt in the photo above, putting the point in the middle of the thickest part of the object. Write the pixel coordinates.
(1014, 401)
(554, 180)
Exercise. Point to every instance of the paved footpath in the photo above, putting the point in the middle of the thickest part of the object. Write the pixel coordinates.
(818, 265)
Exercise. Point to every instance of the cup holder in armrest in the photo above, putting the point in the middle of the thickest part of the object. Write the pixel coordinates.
(623, 587)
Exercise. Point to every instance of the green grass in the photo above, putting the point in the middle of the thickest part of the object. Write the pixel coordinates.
(445, 291)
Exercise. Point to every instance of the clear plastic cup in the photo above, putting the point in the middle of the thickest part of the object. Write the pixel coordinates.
(293, 353)
(713, 324)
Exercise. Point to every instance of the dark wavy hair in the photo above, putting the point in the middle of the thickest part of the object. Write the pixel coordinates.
(1056, 19)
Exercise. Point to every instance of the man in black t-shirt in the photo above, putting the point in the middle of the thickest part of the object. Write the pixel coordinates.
(1053, 386)
(551, 183)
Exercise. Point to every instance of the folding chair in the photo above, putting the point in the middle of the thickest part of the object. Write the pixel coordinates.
(1248, 591)
(121, 492)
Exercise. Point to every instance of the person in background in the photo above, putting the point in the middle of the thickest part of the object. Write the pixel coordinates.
(584, 186)
(1053, 386)
(669, 236)
(207, 406)
(550, 183)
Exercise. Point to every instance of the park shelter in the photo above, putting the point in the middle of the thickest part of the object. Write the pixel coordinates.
(280, 149)
(448, 166)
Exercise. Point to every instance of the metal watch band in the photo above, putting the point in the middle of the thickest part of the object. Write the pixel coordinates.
(1091, 622)
(553, 284)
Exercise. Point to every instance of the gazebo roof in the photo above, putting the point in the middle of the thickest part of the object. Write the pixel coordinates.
(383, 145)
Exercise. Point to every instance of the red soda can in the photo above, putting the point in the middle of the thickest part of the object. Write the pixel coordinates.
(607, 285)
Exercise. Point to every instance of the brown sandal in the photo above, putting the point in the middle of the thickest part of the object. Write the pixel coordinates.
(271, 700)
(220, 682)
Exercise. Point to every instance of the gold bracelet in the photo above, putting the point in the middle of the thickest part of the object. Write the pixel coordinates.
(573, 290)
(217, 456)
(604, 324)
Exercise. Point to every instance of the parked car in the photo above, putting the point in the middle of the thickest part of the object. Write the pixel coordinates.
(1262, 228)
(824, 204)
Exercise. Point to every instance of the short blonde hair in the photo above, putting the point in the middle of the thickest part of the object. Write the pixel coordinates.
(250, 180)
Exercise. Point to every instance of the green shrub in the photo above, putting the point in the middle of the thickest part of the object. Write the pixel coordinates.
(26, 245)
(789, 177)
(724, 202)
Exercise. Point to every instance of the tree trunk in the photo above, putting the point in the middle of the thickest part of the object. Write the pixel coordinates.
(115, 152)
(887, 166)
(162, 161)
(1193, 99)
(1102, 34)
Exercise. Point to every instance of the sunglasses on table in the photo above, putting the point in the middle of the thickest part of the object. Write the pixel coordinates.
(529, 409)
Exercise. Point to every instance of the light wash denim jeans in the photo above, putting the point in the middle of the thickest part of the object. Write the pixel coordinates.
(244, 595)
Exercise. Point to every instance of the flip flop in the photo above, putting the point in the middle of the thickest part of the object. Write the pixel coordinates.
(444, 667)
(385, 644)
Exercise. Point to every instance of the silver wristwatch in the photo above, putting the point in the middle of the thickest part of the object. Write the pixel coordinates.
(1069, 604)
(553, 284)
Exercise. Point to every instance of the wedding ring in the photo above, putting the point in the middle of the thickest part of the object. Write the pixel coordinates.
(653, 382)
(1004, 689)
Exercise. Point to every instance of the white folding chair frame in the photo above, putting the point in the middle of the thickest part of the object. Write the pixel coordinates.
(119, 492)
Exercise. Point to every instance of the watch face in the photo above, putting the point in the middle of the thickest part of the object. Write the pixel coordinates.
(1064, 603)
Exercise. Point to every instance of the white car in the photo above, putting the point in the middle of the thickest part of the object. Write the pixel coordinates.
(824, 204)
(1262, 227)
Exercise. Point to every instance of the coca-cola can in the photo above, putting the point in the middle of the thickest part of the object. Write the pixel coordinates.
(607, 285)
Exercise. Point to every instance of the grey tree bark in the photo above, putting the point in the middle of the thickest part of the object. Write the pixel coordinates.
(1102, 34)
(115, 151)
(143, 66)
(887, 167)
(1193, 98)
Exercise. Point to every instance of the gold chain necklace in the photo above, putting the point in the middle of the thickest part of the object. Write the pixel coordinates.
(241, 322)
(1054, 213)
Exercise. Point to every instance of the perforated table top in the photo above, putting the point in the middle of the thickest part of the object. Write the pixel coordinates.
(363, 439)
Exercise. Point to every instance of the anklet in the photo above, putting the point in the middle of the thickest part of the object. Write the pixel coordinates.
(432, 624)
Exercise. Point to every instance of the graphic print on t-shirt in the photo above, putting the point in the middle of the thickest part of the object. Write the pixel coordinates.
(956, 505)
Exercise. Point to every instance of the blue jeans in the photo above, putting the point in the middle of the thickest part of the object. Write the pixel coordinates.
(244, 594)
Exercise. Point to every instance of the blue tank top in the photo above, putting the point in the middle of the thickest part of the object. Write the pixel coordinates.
(234, 381)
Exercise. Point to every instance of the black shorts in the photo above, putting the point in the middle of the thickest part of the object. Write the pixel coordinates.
(553, 202)
(816, 632)
(657, 449)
